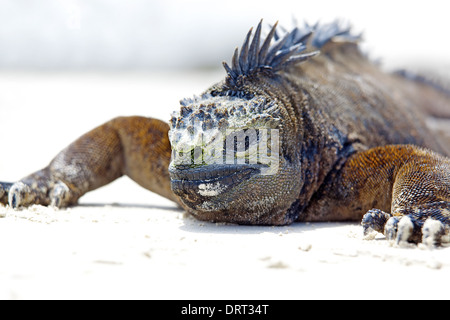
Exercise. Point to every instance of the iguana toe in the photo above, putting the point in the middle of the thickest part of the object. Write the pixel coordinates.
(19, 195)
(60, 195)
(408, 230)
(391, 227)
(434, 233)
(373, 222)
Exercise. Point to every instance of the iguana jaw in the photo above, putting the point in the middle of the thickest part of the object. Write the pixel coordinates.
(199, 185)
(236, 193)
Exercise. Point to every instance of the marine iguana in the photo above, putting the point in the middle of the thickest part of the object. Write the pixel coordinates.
(304, 127)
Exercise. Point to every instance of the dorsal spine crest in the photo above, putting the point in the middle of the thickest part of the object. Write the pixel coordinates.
(290, 48)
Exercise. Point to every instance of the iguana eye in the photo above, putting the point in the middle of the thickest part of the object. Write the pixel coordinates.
(245, 143)
(240, 146)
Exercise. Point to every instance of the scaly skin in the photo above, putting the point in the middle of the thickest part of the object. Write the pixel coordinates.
(352, 145)
(409, 182)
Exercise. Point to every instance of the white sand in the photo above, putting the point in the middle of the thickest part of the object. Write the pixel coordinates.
(124, 242)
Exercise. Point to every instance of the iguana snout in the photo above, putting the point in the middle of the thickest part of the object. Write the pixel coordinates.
(206, 188)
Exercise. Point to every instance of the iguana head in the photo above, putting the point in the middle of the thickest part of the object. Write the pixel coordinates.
(235, 152)
(228, 162)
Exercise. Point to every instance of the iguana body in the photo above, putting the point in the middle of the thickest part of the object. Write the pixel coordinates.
(351, 139)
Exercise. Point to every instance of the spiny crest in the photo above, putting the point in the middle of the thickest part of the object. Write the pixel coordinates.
(324, 33)
(254, 57)
(286, 50)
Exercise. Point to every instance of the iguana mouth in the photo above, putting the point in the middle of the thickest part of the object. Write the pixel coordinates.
(199, 184)
(212, 173)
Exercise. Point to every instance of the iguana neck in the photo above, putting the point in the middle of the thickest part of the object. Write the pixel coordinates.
(309, 139)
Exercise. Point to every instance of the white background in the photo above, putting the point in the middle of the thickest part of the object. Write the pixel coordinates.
(139, 34)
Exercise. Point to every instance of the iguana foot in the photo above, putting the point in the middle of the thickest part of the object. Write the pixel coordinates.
(427, 223)
(39, 191)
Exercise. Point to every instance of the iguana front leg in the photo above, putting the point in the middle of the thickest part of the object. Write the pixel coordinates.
(134, 146)
(403, 190)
